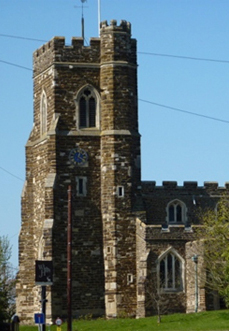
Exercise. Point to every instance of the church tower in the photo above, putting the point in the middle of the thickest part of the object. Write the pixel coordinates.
(85, 134)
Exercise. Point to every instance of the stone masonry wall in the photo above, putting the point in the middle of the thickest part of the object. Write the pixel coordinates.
(120, 149)
(156, 199)
(159, 235)
(88, 279)
(195, 248)
(60, 72)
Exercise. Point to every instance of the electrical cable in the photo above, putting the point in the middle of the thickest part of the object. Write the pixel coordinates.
(16, 65)
(24, 38)
(142, 100)
(184, 57)
(146, 101)
(185, 111)
(10, 173)
(158, 105)
(143, 53)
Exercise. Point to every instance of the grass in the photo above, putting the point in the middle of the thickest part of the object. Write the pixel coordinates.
(205, 321)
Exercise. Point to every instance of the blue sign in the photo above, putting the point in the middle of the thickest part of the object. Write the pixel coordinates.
(39, 318)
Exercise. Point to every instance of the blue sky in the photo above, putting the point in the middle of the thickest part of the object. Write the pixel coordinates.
(175, 145)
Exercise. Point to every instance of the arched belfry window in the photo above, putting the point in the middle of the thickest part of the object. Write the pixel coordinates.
(176, 212)
(43, 113)
(170, 271)
(88, 108)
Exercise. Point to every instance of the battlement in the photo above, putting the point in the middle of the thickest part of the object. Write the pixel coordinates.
(123, 27)
(104, 49)
(56, 51)
(58, 43)
(187, 185)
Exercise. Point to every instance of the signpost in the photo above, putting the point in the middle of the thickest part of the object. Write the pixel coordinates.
(43, 277)
(58, 323)
(39, 319)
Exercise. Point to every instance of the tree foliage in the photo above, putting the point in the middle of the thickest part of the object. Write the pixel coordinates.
(7, 281)
(215, 236)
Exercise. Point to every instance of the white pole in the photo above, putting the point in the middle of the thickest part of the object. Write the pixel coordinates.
(99, 15)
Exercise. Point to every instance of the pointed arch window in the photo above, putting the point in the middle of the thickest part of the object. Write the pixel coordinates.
(43, 113)
(88, 108)
(171, 271)
(176, 212)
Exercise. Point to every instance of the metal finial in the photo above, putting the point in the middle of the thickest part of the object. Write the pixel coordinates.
(82, 5)
(82, 19)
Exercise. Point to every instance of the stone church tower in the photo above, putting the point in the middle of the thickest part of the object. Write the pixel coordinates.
(85, 134)
(132, 241)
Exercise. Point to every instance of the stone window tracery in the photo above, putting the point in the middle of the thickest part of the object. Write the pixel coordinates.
(176, 212)
(171, 271)
(88, 114)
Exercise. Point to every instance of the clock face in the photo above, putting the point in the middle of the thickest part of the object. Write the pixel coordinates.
(78, 156)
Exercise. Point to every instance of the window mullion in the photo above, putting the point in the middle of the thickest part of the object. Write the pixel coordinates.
(173, 270)
(166, 272)
(87, 112)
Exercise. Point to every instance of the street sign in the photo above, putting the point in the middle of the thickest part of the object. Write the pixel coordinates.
(44, 273)
(39, 318)
(58, 321)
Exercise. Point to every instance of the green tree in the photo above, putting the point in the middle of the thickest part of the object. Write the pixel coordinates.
(215, 238)
(7, 281)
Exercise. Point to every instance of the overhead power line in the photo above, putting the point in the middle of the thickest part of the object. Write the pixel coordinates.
(10, 173)
(144, 53)
(151, 103)
(16, 65)
(185, 57)
(185, 111)
(146, 101)
(24, 38)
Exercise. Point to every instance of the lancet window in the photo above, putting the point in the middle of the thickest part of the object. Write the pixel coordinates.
(43, 113)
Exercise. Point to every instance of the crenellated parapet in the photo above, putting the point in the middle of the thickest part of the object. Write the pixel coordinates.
(122, 48)
(187, 186)
(123, 27)
(56, 51)
(116, 43)
(190, 197)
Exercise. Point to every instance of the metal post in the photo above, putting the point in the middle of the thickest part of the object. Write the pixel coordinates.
(43, 304)
(99, 15)
(195, 260)
(69, 260)
(82, 27)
